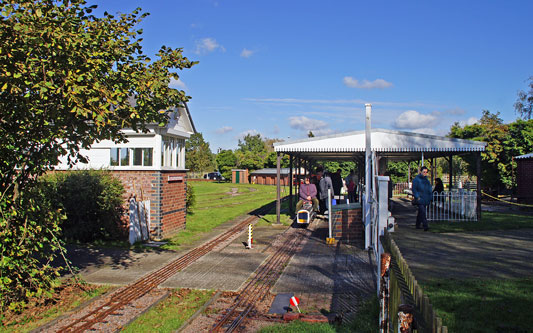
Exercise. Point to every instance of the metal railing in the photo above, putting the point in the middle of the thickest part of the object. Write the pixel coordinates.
(453, 206)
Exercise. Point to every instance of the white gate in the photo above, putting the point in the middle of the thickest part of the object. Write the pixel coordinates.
(458, 205)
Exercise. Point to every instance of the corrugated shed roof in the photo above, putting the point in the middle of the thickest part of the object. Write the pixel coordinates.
(530, 155)
(382, 141)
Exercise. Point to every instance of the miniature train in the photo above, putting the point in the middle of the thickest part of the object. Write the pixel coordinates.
(305, 215)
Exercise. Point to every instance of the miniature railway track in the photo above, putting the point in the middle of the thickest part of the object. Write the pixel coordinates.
(141, 287)
(259, 286)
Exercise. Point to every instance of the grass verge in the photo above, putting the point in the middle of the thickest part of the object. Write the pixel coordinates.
(489, 221)
(67, 297)
(218, 203)
(476, 305)
(297, 327)
(172, 312)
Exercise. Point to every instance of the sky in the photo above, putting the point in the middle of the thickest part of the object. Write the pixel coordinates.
(284, 68)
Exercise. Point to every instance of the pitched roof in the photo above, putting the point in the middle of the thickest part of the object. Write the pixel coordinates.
(394, 144)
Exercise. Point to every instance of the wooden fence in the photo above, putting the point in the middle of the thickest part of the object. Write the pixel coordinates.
(404, 289)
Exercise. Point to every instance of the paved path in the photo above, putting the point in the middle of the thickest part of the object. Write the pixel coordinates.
(497, 254)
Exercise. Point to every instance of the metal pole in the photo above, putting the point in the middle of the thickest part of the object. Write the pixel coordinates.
(478, 185)
(290, 181)
(450, 166)
(368, 173)
(278, 196)
(329, 212)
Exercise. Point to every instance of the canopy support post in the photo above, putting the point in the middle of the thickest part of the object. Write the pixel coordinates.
(278, 192)
(291, 159)
(478, 185)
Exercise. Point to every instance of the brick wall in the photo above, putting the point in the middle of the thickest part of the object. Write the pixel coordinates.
(348, 225)
(166, 191)
(524, 180)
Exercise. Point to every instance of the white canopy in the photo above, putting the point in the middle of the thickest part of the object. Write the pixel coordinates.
(388, 143)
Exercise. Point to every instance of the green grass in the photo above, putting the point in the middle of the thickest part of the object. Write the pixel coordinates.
(475, 305)
(38, 315)
(271, 217)
(298, 327)
(172, 312)
(215, 204)
(489, 221)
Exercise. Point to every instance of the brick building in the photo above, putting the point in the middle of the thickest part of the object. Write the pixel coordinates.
(524, 178)
(151, 167)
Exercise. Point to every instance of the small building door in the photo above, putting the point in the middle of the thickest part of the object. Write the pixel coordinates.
(237, 177)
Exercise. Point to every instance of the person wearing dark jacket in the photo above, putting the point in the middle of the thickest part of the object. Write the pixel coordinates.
(422, 195)
(307, 193)
(336, 180)
(324, 184)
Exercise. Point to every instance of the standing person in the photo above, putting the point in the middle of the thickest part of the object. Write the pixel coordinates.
(325, 184)
(351, 184)
(336, 180)
(422, 195)
(307, 194)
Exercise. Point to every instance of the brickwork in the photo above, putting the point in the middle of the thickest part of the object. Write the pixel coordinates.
(524, 180)
(166, 191)
(348, 225)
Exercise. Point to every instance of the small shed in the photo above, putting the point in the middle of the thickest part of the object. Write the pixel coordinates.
(239, 176)
(268, 176)
(524, 178)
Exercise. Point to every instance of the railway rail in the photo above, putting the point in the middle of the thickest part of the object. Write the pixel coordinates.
(259, 286)
(141, 287)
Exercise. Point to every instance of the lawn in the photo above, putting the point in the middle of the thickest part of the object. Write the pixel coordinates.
(489, 221)
(473, 305)
(217, 203)
(171, 313)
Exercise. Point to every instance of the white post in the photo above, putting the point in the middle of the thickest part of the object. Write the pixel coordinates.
(329, 212)
(368, 173)
(383, 213)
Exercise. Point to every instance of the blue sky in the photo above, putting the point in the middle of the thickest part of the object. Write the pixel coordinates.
(283, 68)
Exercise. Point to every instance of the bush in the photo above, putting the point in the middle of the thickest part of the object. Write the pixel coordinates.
(28, 228)
(93, 203)
(190, 199)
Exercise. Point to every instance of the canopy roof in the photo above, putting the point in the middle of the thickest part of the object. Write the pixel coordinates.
(392, 144)
(530, 155)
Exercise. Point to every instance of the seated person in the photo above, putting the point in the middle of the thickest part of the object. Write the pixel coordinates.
(307, 193)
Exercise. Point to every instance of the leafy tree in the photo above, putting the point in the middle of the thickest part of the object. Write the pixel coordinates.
(496, 167)
(199, 156)
(67, 78)
(252, 143)
(250, 160)
(524, 103)
(226, 160)
(271, 160)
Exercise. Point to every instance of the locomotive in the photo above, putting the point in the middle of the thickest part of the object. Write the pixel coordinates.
(306, 214)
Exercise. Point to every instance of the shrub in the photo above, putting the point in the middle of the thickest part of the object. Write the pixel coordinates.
(93, 203)
(28, 228)
(190, 199)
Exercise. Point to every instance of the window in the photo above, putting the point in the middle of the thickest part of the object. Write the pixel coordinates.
(140, 156)
(172, 150)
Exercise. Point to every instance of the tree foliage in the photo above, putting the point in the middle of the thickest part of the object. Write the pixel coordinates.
(226, 160)
(252, 143)
(504, 141)
(524, 103)
(66, 79)
(199, 156)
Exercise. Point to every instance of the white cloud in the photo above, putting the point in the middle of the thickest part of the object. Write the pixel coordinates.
(307, 124)
(412, 119)
(207, 45)
(246, 53)
(177, 84)
(250, 132)
(469, 121)
(224, 130)
(365, 84)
